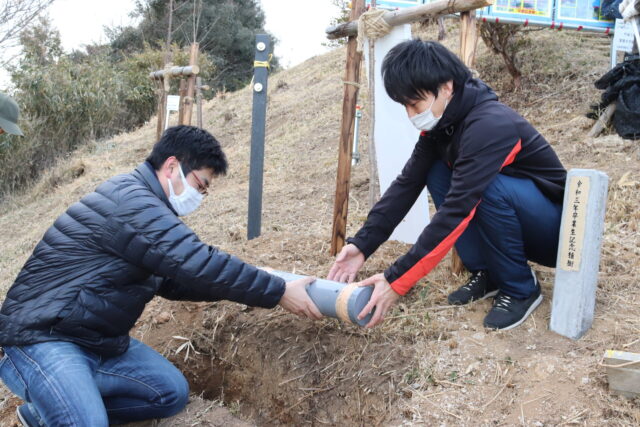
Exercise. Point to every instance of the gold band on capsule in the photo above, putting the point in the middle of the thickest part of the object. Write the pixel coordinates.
(342, 302)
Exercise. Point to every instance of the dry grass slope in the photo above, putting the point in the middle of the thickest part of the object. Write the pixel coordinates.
(429, 363)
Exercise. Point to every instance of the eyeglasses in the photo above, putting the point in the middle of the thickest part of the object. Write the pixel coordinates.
(202, 189)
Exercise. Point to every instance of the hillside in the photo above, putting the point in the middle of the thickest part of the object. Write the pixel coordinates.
(429, 363)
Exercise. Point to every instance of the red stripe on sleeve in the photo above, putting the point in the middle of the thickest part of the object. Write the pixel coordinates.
(512, 155)
(426, 264)
(429, 261)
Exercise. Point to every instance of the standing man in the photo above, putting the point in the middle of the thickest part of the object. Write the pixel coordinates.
(65, 322)
(9, 114)
(496, 183)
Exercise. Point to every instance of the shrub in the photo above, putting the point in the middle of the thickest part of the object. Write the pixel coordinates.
(506, 40)
(68, 100)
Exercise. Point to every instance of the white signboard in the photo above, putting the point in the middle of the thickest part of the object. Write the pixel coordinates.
(623, 36)
(173, 103)
(395, 138)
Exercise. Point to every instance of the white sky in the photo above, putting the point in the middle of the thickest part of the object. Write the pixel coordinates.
(299, 26)
(300, 33)
(82, 22)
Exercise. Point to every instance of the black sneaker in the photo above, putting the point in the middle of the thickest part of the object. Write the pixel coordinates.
(478, 287)
(26, 417)
(508, 312)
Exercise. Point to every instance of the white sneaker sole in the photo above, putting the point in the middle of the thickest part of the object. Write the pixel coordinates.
(533, 306)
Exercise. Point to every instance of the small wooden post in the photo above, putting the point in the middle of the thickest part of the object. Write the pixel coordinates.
(258, 125)
(162, 106)
(603, 121)
(468, 43)
(191, 85)
(162, 102)
(352, 79)
(468, 38)
(374, 180)
(199, 88)
(182, 92)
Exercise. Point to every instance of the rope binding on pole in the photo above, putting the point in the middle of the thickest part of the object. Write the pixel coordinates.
(372, 25)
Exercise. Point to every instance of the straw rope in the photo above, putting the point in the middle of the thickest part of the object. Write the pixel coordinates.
(372, 26)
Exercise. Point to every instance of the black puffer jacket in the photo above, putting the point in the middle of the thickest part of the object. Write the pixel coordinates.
(94, 270)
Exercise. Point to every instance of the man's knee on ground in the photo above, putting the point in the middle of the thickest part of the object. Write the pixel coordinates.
(176, 395)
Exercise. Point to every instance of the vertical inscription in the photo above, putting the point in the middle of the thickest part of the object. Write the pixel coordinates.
(572, 240)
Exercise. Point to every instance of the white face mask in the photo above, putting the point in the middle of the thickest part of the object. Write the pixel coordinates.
(426, 120)
(188, 201)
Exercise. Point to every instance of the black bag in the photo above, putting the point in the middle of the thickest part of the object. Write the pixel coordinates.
(626, 118)
(622, 85)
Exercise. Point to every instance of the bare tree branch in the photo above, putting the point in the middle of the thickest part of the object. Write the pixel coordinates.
(167, 54)
(204, 37)
(15, 16)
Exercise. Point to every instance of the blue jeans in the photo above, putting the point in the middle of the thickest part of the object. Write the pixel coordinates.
(513, 223)
(68, 385)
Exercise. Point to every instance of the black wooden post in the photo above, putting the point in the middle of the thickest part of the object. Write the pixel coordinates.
(256, 168)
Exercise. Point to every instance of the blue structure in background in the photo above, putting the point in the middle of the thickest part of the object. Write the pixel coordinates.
(558, 14)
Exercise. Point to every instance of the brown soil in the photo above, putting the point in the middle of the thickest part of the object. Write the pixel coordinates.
(428, 363)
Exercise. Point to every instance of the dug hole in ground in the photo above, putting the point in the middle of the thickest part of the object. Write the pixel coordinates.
(429, 363)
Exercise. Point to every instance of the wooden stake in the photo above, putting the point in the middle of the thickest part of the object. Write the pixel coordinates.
(199, 101)
(468, 38)
(182, 92)
(374, 183)
(603, 120)
(191, 85)
(456, 265)
(162, 101)
(162, 107)
(351, 88)
(468, 43)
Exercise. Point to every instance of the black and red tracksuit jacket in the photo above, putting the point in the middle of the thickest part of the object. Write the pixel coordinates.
(478, 138)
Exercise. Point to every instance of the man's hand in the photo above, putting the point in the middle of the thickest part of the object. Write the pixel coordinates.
(296, 299)
(348, 262)
(382, 299)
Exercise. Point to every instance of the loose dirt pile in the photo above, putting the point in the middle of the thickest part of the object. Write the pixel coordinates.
(428, 363)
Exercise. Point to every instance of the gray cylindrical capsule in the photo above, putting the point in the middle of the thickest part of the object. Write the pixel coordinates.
(334, 299)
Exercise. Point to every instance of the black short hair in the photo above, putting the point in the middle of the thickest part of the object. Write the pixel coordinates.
(415, 66)
(194, 147)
